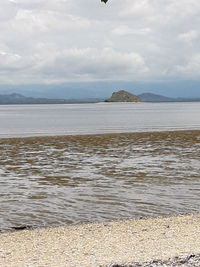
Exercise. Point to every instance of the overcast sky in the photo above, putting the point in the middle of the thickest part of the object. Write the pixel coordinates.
(57, 41)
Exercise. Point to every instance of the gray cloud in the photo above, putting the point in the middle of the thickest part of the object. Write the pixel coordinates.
(64, 40)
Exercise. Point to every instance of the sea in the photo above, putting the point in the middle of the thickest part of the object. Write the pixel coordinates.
(79, 163)
(75, 119)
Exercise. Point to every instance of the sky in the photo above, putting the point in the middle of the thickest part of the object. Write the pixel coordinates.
(52, 42)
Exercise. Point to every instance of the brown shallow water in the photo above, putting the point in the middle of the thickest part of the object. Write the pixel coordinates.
(51, 181)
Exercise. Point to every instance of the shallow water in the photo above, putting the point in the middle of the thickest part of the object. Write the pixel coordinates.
(51, 181)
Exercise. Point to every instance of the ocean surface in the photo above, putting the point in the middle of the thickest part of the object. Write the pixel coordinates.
(59, 180)
(37, 120)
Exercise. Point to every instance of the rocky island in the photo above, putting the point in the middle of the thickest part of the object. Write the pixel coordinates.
(123, 96)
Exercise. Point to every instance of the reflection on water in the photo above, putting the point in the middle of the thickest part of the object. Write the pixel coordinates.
(60, 180)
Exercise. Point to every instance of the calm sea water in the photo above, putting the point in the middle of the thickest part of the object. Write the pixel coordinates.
(52, 181)
(30, 120)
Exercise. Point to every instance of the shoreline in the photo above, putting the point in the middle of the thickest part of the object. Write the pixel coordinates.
(102, 244)
(100, 134)
(28, 227)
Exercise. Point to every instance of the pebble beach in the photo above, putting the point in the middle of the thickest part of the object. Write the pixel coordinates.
(142, 242)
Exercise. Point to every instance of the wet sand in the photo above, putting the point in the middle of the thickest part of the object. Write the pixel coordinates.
(102, 244)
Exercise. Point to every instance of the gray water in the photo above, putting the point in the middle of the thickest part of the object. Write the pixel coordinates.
(52, 181)
(37, 120)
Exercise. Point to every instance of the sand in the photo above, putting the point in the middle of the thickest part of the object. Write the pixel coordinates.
(102, 243)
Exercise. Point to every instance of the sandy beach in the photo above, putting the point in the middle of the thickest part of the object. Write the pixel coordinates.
(100, 244)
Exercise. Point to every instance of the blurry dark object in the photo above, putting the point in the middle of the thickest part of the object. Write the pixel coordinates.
(22, 227)
(105, 1)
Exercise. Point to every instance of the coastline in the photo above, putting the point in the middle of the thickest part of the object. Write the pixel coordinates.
(101, 244)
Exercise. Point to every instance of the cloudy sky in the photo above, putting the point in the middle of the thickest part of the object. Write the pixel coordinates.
(59, 41)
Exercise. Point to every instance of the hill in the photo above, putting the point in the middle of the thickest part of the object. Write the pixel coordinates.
(123, 96)
(149, 97)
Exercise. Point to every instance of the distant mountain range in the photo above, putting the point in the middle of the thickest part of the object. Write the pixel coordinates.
(14, 98)
(149, 97)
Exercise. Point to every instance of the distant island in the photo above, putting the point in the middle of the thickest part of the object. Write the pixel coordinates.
(123, 96)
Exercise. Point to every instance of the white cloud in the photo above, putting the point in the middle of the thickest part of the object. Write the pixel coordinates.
(137, 8)
(13, 62)
(65, 40)
(126, 30)
(8, 10)
(48, 21)
(189, 37)
(190, 69)
(74, 64)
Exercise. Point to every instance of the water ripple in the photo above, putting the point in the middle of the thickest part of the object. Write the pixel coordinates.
(60, 180)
